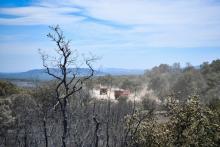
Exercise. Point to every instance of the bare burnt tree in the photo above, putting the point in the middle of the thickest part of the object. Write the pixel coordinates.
(108, 112)
(63, 69)
(97, 123)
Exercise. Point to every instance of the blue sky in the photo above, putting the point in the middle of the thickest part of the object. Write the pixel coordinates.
(125, 34)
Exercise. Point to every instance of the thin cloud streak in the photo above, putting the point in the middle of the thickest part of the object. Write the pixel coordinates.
(38, 15)
(156, 23)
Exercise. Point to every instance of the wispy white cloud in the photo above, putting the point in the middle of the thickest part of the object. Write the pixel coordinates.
(148, 11)
(39, 15)
(146, 23)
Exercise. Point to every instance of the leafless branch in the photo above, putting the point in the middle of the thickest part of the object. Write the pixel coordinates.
(68, 82)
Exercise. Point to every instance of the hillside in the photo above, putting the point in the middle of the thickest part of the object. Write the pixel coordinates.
(40, 74)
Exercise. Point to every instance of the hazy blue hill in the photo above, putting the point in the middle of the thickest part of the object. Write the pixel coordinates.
(40, 74)
(32, 74)
(122, 71)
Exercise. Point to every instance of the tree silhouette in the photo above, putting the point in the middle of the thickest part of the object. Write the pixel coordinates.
(68, 79)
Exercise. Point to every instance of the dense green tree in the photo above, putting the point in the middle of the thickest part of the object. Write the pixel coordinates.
(190, 81)
(190, 124)
(193, 124)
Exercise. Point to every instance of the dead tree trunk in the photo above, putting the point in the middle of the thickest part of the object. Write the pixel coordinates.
(25, 138)
(108, 113)
(45, 131)
(97, 123)
(65, 124)
(107, 124)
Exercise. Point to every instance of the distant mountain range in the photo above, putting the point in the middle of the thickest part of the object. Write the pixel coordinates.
(40, 74)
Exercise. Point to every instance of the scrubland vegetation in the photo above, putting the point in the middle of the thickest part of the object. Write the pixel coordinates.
(181, 107)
